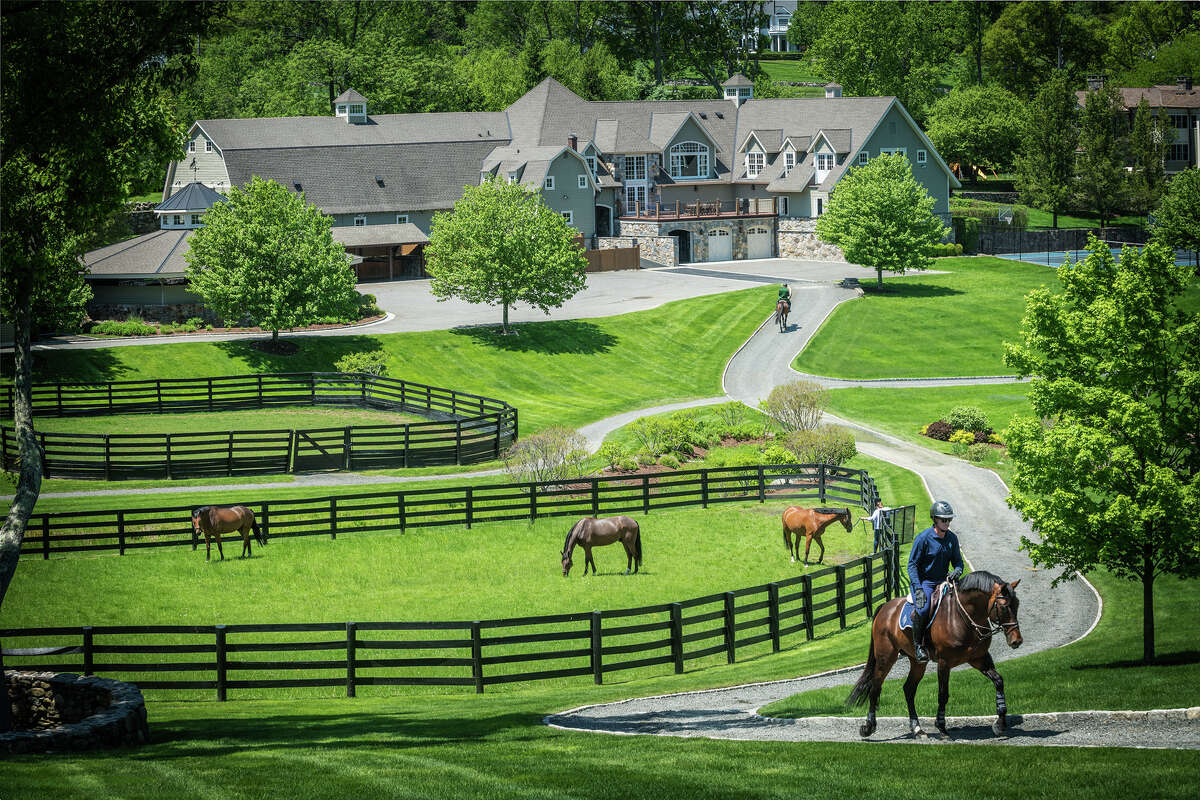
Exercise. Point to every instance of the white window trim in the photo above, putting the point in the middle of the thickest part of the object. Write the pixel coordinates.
(629, 173)
(191, 145)
(178, 219)
(583, 181)
(889, 150)
(357, 109)
(863, 157)
(789, 162)
(569, 216)
(782, 202)
(679, 153)
(922, 158)
(196, 219)
(512, 177)
(341, 109)
(208, 145)
(752, 158)
(591, 162)
(360, 221)
(401, 219)
(548, 184)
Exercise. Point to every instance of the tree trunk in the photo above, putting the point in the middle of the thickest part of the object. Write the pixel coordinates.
(274, 341)
(504, 328)
(879, 277)
(1054, 224)
(1147, 604)
(29, 479)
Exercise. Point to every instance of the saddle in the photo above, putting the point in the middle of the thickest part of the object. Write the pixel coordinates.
(906, 613)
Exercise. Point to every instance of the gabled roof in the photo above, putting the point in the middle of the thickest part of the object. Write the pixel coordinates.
(770, 140)
(156, 254)
(838, 139)
(193, 198)
(737, 79)
(350, 96)
(294, 132)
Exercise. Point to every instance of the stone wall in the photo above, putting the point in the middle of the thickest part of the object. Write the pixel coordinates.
(63, 712)
(171, 312)
(1008, 198)
(798, 239)
(662, 250)
(142, 218)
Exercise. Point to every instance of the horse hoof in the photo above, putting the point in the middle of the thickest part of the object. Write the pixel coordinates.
(865, 730)
(999, 728)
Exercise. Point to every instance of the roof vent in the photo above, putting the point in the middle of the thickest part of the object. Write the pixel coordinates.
(296, 183)
(703, 115)
(379, 179)
(719, 115)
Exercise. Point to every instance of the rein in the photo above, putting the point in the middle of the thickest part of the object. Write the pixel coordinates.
(983, 632)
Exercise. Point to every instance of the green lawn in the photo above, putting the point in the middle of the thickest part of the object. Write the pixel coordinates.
(280, 418)
(1038, 218)
(928, 325)
(791, 70)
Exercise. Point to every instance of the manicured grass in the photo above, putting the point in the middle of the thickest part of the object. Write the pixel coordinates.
(281, 418)
(792, 70)
(1044, 219)
(929, 325)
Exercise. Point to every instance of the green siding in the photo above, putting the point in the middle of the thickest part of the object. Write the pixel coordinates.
(894, 131)
(567, 196)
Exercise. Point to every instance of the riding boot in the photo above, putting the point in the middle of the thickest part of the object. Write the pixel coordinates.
(918, 635)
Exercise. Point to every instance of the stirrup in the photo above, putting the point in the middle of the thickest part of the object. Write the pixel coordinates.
(920, 653)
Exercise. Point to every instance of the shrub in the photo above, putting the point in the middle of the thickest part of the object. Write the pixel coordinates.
(939, 430)
(669, 461)
(778, 454)
(554, 454)
(365, 306)
(627, 464)
(645, 458)
(962, 437)
(798, 405)
(612, 454)
(828, 444)
(196, 323)
(979, 453)
(367, 363)
(959, 449)
(983, 437)
(744, 432)
(994, 438)
(730, 415)
(130, 327)
(968, 418)
(677, 433)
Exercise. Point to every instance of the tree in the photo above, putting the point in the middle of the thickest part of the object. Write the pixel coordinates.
(503, 245)
(1032, 40)
(83, 107)
(882, 218)
(1101, 180)
(980, 125)
(1109, 476)
(1046, 164)
(1177, 218)
(267, 256)
(1148, 142)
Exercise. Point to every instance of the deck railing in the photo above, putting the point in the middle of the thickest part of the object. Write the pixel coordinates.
(703, 209)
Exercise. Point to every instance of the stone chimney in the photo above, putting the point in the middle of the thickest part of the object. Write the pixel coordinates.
(572, 141)
(833, 90)
(1183, 83)
(1096, 82)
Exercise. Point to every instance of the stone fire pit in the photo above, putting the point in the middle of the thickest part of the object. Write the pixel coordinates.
(64, 712)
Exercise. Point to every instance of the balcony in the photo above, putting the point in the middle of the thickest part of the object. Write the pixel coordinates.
(701, 209)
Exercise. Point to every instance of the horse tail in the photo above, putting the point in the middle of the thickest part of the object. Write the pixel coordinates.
(866, 681)
(258, 534)
(637, 541)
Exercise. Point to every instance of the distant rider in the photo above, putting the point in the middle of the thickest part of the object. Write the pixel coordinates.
(933, 551)
(785, 297)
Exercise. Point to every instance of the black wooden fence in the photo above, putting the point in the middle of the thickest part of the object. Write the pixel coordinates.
(133, 529)
(466, 428)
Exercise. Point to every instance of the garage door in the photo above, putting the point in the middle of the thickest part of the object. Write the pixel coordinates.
(720, 245)
(758, 243)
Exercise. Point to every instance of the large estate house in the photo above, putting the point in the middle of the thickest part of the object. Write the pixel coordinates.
(1181, 104)
(686, 181)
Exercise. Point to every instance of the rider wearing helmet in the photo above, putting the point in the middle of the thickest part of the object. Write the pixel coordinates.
(785, 295)
(933, 552)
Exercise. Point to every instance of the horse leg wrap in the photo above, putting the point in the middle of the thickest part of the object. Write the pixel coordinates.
(1001, 706)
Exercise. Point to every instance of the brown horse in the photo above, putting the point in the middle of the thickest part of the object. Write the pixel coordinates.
(591, 532)
(781, 313)
(213, 521)
(810, 523)
(973, 610)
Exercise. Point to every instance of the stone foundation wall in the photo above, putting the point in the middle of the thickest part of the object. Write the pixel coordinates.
(172, 312)
(63, 712)
(797, 238)
(662, 250)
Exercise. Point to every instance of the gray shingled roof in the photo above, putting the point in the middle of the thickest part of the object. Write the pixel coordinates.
(195, 197)
(293, 132)
(840, 139)
(738, 79)
(158, 254)
(369, 235)
(1156, 96)
(350, 96)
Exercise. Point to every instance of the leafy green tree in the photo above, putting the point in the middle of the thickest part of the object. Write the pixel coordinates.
(1148, 142)
(1108, 474)
(716, 41)
(980, 125)
(1143, 33)
(1046, 165)
(647, 30)
(267, 256)
(503, 245)
(1101, 181)
(882, 217)
(1180, 56)
(1032, 40)
(1177, 218)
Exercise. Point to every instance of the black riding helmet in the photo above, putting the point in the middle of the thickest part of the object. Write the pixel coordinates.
(941, 509)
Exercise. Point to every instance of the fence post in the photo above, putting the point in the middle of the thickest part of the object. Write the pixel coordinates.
(45, 461)
(729, 632)
(210, 403)
(107, 459)
(293, 446)
(470, 510)
(260, 392)
(407, 438)
(821, 482)
(496, 444)
(266, 521)
(169, 476)
(351, 656)
(807, 595)
(597, 665)
(229, 460)
(58, 388)
(400, 508)
(458, 442)
(532, 502)
(222, 664)
(595, 497)
(773, 615)
(87, 650)
(645, 494)
(333, 518)
(868, 577)
(762, 486)
(158, 391)
(677, 637)
(477, 656)
(46, 537)
(346, 445)
(840, 569)
(120, 533)
(704, 488)
(110, 399)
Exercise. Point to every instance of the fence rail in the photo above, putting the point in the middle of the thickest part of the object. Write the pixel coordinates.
(54, 534)
(466, 428)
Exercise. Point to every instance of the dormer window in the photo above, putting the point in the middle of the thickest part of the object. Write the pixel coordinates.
(591, 162)
(689, 160)
(512, 177)
(824, 163)
(341, 109)
(754, 164)
(177, 219)
(192, 146)
(196, 219)
(789, 162)
(360, 221)
(357, 109)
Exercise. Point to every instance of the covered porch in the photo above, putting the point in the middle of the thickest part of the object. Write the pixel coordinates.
(386, 252)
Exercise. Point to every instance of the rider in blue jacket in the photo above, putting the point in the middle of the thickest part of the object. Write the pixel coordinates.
(933, 552)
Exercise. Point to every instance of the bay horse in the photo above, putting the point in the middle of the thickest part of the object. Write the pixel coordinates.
(810, 523)
(973, 610)
(592, 532)
(781, 314)
(213, 521)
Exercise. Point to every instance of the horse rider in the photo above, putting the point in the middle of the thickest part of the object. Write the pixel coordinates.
(785, 296)
(876, 520)
(933, 551)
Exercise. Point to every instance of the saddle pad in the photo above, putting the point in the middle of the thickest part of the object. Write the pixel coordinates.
(906, 613)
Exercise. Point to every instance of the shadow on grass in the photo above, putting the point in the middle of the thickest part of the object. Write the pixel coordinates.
(907, 289)
(315, 353)
(549, 338)
(1179, 659)
(72, 366)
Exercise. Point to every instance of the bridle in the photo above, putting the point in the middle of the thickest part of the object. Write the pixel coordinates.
(993, 627)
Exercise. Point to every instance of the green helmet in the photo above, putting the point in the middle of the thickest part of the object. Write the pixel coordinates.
(941, 509)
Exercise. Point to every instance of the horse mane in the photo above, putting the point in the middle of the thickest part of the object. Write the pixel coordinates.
(200, 511)
(979, 581)
(838, 511)
(571, 533)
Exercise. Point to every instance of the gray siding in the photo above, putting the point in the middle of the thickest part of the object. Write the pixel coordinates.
(422, 219)
(894, 131)
(209, 170)
(567, 196)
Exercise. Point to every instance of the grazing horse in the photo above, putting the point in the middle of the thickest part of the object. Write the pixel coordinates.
(972, 611)
(810, 523)
(591, 532)
(213, 521)
(781, 313)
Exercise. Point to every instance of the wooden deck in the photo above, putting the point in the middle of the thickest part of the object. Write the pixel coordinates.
(714, 209)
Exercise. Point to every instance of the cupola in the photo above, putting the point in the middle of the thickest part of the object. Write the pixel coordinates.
(351, 106)
(738, 88)
(187, 207)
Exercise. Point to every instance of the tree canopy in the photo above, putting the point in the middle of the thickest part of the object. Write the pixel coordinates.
(882, 217)
(503, 245)
(1108, 473)
(265, 255)
(1102, 183)
(1045, 166)
(980, 125)
(1177, 218)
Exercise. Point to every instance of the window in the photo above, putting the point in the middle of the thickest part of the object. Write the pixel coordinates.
(754, 164)
(195, 219)
(1177, 152)
(341, 109)
(635, 168)
(820, 206)
(731, 94)
(549, 182)
(745, 92)
(888, 150)
(357, 109)
(922, 158)
(863, 158)
(789, 161)
(635, 197)
(583, 183)
(208, 148)
(689, 160)
(178, 219)
(401, 219)
(512, 177)
(824, 162)
(360, 221)
(1179, 121)
(569, 216)
(591, 162)
(192, 146)
(783, 206)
